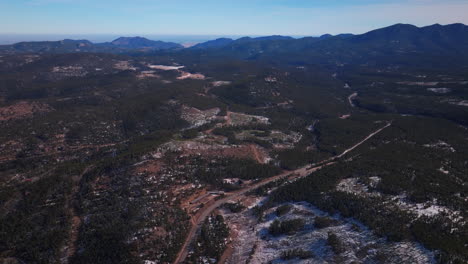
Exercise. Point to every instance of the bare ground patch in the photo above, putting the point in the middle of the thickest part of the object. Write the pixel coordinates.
(197, 117)
(22, 109)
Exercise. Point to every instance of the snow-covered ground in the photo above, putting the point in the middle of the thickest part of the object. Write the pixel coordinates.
(196, 117)
(429, 208)
(278, 139)
(240, 119)
(252, 241)
(440, 145)
(220, 83)
(165, 67)
(188, 75)
(439, 90)
(124, 65)
(419, 83)
(462, 103)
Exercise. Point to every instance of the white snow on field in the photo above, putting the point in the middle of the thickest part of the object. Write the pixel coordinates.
(439, 90)
(188, 75)
(124, 65)
(440, 145)
(69, 71)
(255, 244)
(444, 171)
(67, 68)
(196, 117)
(374, 181)
(351, 185)
(420, 83)
(147, 74)
(240, 119)
(220, 83)
(461, 103)
(429, 208)
(355, 186)
(165, 67)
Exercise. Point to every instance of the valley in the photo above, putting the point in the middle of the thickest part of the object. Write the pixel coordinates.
(344, 149)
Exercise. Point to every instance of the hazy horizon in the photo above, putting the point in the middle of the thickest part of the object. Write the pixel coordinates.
(221, 18)
(6, 39)
(12, 38)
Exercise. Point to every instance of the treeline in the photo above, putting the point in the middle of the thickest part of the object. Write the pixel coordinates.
(286, 227)
(35, 228)
(112, 200)
(148, 113)
(291, 159)
(121, 219)
(244, 169)
(211, 242)
(384, 220)
(230, 134)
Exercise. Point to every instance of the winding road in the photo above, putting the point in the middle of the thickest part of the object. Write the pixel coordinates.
(296, 174)
(351, 99)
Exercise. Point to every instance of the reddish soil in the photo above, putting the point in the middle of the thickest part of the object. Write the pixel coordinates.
(244, 152)
(256, 153)
(228, 118)
(186, 205)
(67, 149)
(239, 194)
(187, 75)
(160, 232)
(229, 247)
(75, 218)
(152, 167)
(22, 109)
(76, 223)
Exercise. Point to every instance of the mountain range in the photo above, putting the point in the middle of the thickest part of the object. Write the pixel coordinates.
(449, 42)
(328, 149)
(120, 45)
(142, 43)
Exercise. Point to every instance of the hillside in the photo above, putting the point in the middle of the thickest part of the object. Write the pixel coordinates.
(143, 43)
(332, 149)
(120, 45)
(441, 45)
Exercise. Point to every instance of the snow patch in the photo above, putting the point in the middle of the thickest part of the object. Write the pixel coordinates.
(194, 76)
(220, 83)
(197, 118)
(439, 90)
(419, 83)
(165, 67)
(253, 242)
(440, 145)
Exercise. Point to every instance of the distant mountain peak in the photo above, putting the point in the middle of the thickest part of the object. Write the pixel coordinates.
(273, 37)
(217, 43)
(325, 36)
(141, 42)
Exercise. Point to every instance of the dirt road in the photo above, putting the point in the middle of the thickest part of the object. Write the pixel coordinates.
(256, 154)
(364, 140)
(351, 98)
(75, 219)
(296, 174)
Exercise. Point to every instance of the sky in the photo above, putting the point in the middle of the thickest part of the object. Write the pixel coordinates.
(220, 17)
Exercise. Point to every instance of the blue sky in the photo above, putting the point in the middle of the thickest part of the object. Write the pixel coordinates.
(221, 17)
